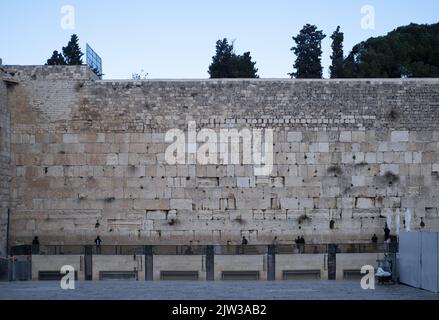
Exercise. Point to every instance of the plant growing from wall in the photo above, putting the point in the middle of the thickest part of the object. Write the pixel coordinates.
(393, 115)
(139, 76)
(390, 177)
(303, 218)
(335, 169)
(239, 220)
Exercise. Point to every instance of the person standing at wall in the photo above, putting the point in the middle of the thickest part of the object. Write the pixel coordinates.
(302, 244)
(243, 243)
(36, 245)
(374, 240)
(98, 242)
(386, 234)
(297, 248)
(314, 242)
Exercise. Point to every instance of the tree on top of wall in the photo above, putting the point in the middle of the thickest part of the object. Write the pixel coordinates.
(406, 52)
(71, 55)
(57, 59)
(72, 52)
(336, 68)
(308, 51)
(227, 64)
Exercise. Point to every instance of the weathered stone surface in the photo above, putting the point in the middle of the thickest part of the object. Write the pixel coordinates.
(5, 159)
(75, 149)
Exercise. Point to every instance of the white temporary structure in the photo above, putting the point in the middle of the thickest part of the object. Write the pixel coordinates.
(419, 260)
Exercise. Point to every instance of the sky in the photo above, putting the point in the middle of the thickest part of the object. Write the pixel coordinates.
(176, 39)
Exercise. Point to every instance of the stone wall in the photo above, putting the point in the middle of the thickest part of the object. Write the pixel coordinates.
(5, 157)
(89, 158)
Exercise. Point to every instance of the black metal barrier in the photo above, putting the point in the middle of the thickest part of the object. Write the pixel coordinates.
(203, 249)
(208, 252)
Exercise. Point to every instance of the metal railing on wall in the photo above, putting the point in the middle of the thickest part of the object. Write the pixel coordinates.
(202, 249)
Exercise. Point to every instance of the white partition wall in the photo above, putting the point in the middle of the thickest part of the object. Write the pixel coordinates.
(419, 260)
(429, 261)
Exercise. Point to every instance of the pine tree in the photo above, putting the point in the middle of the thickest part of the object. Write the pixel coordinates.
(308, 51)
(406, 52)
(57, 59)
(336, 69)
(72, 53)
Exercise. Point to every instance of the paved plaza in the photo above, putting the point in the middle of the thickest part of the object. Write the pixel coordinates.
(221, 290)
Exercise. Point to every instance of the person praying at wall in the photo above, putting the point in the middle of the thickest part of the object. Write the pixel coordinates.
(35, 246)
(374, 241)
(314, 242)
(243, 244)
(297, 241)
(189, 250)
(98, 242)
(302, 244)
(386, 234)
(275, 243)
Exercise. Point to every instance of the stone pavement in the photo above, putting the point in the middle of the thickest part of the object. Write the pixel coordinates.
(221, 290)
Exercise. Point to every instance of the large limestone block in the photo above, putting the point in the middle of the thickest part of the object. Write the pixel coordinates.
(185, 204)
(399, 136)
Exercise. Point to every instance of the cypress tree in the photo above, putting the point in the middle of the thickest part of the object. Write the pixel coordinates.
(308, 51)
(336, 69)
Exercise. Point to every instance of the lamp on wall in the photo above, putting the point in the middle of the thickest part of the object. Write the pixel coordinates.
(97, 225)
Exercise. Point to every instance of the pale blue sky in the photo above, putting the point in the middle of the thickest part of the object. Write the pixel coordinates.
(176, 39)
